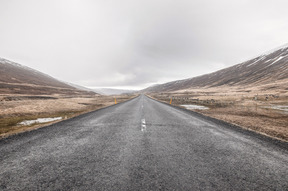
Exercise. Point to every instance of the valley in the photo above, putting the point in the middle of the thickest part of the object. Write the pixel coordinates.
(252, 94)
(27, 94)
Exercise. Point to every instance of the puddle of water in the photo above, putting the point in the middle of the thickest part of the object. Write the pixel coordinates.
(39, 120)
(195, 107)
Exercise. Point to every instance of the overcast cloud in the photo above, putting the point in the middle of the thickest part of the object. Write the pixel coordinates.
(136, 43)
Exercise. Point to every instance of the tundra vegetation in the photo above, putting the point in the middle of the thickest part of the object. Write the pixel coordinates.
(17, 108)
(265, 112)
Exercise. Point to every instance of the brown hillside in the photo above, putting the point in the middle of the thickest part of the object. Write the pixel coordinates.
(18, 79)
(261, 70)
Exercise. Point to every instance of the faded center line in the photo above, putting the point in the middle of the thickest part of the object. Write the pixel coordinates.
(143, 125)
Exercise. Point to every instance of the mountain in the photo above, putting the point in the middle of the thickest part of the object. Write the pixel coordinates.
(80, 87)
(264, 69)
(111, 91)
(19, 79)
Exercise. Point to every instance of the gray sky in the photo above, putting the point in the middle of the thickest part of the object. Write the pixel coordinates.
(137, 43)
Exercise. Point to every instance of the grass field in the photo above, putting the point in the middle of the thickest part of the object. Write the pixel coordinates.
(263, 112)
(17, 108)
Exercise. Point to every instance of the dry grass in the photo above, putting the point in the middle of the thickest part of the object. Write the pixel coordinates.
(246, 108)
(17, 108)
(265, 121)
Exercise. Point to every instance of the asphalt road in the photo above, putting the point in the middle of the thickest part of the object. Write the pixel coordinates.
(141, 145)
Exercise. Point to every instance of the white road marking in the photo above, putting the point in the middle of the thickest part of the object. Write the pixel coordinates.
(143, 125)
(143, 128)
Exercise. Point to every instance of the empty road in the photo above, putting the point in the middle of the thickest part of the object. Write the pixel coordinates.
(141, 144)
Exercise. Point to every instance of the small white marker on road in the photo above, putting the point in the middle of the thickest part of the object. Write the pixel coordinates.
(143, 125)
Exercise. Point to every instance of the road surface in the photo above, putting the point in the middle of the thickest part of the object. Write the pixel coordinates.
(141, 144)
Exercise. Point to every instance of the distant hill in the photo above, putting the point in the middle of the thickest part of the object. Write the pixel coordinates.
(19, 79)
(111, 91)
(264, 69)
(80, 87)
